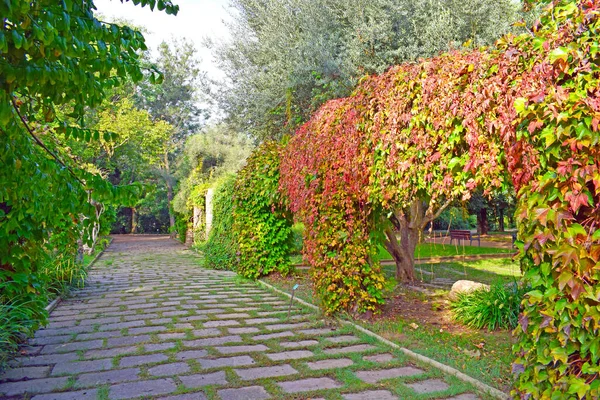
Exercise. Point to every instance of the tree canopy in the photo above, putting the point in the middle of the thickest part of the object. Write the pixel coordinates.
(287, 58)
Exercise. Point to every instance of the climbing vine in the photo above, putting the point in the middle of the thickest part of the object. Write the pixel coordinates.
(431, 132)
(262, 223)
(221, 248)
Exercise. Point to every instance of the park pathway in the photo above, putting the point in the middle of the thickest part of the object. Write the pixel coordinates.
(151, 323)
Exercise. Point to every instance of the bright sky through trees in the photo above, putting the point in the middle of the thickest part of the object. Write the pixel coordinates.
(196, 20)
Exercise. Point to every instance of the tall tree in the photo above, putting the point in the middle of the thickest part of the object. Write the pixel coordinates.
(177, 101)
(289, 56)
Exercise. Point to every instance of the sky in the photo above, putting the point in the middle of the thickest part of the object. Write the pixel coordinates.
(196, 20)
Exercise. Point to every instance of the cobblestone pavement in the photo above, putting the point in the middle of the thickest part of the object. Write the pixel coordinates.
(151, 323)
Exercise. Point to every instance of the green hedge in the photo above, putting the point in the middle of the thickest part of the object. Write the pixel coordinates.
(221, 247)
(262, 223)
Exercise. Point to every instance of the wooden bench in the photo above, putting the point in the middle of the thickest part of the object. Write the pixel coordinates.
(459, 235)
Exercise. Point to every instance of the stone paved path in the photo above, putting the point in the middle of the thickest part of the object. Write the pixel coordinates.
(151, 323)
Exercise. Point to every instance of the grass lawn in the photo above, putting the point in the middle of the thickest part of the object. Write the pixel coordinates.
(485, 271)
(426, 250)
(422, 323)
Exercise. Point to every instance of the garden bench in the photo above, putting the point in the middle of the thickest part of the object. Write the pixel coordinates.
(459, 235)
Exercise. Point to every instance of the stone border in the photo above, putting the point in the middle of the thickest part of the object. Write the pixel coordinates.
(452, 371)
(50, 307)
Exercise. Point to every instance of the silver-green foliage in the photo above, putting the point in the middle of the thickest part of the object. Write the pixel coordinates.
(286, 57)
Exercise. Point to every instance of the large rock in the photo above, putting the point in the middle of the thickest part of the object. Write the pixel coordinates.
(465, 286)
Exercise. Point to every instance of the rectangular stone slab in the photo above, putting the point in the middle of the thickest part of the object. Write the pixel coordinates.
(307, 385)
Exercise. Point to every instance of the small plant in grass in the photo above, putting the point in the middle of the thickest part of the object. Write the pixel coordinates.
(494, 308)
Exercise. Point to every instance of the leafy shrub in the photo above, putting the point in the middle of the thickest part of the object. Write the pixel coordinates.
(262, 223)
(221, 247)
(496, 308)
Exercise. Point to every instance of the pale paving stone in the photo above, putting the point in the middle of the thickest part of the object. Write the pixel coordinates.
(32, 386)
(301, 343)
(316, 331)
(98, 335)
(127, 340)
(45, 340)
(190, 354)
(187, 396)
(249, 374)
(141, 388)
(349, 349)
(246, 393)
(241, 349)
(89, 394)
(146, 329)
(273, 335)
(171, 335)
(428, 386)
(159, 346)
(281, 327)
(17, 374)
(77, 367)
(193, 318)
(212, 341)
(169, 369)
(183, 325)
(199, 380)
(73, 346)
(290, 355)
(249, 329)
(237, 361)
(259, 321)
(132, 361)
(232, 316)
(329, 364)
(380, 374)
(216, 324)
(379, 358)
(371, 395)
(342, 339)
(306, 385)
(207, 332)
(101, 378)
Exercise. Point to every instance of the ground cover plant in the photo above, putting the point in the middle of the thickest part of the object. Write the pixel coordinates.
(495, 308)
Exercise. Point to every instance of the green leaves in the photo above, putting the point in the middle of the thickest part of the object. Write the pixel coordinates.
(56, 58)
(262, 221)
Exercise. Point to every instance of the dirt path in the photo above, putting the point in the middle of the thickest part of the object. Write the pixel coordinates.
(151, 323)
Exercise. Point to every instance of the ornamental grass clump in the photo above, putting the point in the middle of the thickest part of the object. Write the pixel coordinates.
(494, 308)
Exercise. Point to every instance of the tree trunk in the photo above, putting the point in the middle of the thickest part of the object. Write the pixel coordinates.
(169, 195)
(501, 220)
(134, 222)
(409, 223)
(483, 226)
